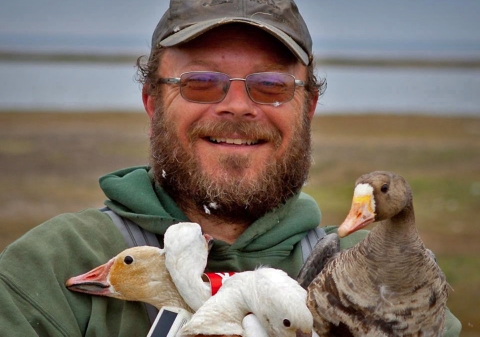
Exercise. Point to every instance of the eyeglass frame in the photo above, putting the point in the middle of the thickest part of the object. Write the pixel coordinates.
(177, 80)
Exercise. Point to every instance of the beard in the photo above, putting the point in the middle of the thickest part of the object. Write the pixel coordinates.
(229, 195)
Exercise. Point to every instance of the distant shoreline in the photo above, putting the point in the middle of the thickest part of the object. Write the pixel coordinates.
(8, 56)
(66, 57)
(398, 63)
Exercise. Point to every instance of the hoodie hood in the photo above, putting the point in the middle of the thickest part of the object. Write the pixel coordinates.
(133, 194)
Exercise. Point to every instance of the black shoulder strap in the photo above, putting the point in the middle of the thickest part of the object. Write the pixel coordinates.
(310, 240)
(135, 235)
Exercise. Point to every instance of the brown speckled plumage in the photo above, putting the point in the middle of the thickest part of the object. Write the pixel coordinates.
(386, 285)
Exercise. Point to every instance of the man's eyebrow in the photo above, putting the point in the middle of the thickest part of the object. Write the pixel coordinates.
(201, 63)
(272, 67)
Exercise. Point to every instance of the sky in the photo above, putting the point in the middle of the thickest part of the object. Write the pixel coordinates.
(335, 25)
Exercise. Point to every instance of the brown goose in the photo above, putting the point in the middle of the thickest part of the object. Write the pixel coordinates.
(388, 284)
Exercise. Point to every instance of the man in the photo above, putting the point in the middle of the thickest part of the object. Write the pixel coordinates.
(230, 91)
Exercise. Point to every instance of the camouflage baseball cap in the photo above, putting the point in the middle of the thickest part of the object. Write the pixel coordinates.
(187, 19)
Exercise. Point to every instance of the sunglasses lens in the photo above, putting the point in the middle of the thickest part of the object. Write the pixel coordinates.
(204, 87)
(270, 88)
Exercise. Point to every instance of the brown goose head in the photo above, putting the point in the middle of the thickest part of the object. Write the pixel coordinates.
(378, 195)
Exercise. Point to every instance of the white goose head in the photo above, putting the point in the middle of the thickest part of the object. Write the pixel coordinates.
(277, 301)
(140, 274)
(135, 274)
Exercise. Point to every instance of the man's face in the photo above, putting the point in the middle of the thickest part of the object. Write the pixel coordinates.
(235, 158)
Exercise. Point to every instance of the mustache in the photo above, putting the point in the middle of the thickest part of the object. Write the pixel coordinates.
(244, 129)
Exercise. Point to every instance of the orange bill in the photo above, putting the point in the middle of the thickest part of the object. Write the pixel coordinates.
(361, 215)
(94, 282)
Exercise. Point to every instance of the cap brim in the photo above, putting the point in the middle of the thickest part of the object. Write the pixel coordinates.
(197, 29)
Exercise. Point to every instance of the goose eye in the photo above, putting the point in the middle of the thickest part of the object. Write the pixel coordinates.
(384, 188)
(286, 323)
(128, 259)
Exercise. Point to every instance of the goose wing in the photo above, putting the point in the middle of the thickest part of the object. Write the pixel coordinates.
(324, 249)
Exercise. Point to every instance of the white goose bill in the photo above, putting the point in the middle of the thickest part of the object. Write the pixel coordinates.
(94, 282)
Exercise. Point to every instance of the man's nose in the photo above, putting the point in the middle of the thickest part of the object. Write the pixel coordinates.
(237, 102)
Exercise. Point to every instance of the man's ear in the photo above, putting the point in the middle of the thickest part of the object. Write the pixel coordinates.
(313, 103)
(148, 101)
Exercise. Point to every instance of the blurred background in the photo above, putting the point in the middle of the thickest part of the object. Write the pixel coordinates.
(403, 95)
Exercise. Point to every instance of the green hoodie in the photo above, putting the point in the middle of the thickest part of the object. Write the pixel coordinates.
(271, 240)
(33, 270)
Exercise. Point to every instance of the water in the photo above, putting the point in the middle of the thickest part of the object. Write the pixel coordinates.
(68, 86)
(94, 87)
(401, 90)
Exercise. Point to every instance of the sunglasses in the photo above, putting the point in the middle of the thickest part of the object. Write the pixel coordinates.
(212, 87)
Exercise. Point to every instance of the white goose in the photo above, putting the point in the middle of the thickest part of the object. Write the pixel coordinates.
(277, 301)
(140, 273)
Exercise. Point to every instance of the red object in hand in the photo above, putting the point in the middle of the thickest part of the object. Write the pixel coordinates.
(216, 280)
